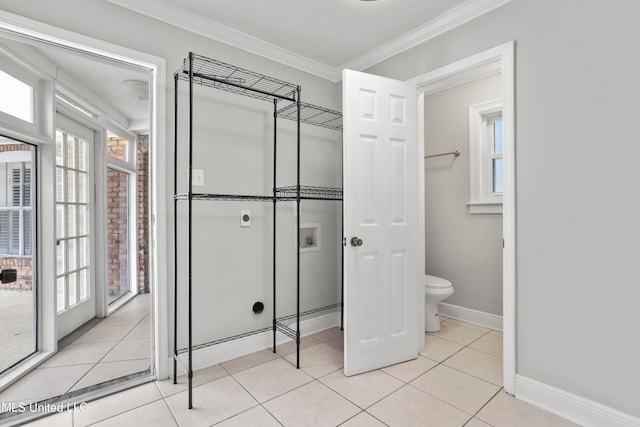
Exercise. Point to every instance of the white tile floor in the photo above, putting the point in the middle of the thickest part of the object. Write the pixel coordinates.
(456, 381)
(118, 346)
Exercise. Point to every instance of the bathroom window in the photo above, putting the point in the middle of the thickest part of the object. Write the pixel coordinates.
(486, 164)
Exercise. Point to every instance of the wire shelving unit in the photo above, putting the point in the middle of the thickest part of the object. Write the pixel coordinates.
(204, 71)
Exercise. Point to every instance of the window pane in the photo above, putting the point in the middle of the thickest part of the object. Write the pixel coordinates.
(60, 185)
(71, 151)
(83, 252)
(27, 232)
(4, 184)
(83, 227)
(72, 254)
(83, 189)
(497, 136)
(14, 232)
(60, 223)
(83, 155)
(4, 236)
(17, 97)
(61, 255)
(497, 175)
(83, 284)
(27, 185)
(73, 291)
(59, 148)
(16, 183)
(71, 221)
(117, 147)
(71, 186)
(61, 291)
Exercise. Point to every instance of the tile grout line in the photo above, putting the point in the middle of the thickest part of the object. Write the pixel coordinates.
(110, 350)
(483, 406)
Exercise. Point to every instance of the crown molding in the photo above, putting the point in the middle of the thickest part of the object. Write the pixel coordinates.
(449, 20)
(188, 21)
(196, 24)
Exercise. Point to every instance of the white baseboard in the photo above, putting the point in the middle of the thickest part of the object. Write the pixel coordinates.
(219, 353)
(570, 406)
(476, 317)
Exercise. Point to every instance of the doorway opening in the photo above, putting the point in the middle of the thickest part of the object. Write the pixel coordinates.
(44, 44)
(496, 60)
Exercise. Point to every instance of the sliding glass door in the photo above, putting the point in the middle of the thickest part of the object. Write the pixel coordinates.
(17, 252)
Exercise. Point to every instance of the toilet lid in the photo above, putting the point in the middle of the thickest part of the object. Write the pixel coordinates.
(435, 282)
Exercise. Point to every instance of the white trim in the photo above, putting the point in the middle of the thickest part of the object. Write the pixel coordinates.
(485, 208)
(571, 406)
(209, 356)
(422, 269)
(189, 21)
(500, 58)
(197, 24)
(488, 320)
(459, 15)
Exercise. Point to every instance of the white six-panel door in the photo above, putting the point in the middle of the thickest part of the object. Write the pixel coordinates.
(381, 184)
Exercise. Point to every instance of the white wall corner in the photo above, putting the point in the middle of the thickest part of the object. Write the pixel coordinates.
(571, 406)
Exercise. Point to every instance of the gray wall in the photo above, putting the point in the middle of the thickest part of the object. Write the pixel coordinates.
(577, 175)
(463, 248)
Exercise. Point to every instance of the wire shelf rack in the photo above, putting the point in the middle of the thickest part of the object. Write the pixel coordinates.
(309, 193)
(313, 115)
(220, 75)
(223, 197)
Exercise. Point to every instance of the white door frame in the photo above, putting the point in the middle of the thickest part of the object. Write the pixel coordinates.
(499, 59)
(21, 27)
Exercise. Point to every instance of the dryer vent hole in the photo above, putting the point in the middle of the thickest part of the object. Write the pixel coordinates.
(258, 307)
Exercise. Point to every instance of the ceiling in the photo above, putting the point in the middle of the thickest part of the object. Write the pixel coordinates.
(318, 36)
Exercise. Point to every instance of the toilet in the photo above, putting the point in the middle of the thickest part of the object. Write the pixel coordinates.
(435, 290)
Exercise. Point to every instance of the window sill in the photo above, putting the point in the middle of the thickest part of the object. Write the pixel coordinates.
(485, 208)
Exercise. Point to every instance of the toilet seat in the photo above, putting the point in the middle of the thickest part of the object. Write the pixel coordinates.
(434, 282)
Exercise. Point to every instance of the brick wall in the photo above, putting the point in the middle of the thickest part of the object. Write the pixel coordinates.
(143, 213)
(117, 231)
(115, 216)
(24, 280)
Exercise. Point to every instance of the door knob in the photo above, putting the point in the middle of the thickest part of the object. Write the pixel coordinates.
(355, 241)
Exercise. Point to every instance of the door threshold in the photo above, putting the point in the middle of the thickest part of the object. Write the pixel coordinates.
(117, 304)
(74, 401)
